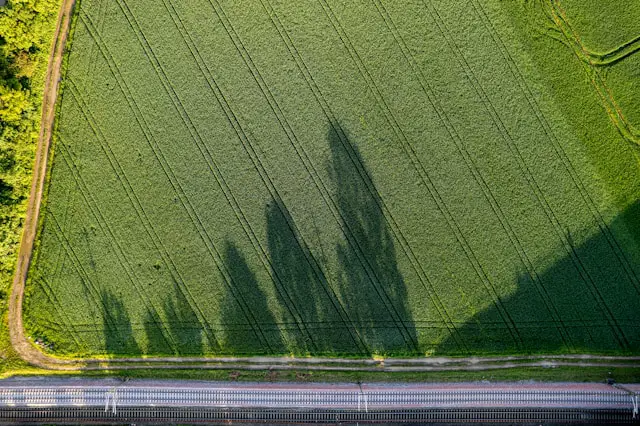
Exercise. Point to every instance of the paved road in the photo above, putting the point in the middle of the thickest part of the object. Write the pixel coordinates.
(23, 400)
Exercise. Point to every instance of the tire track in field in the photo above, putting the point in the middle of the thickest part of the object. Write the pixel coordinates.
(59, 265)
(364, 175)
(103, 223)
(558, 16)
(48, 288)
(542, 201)
(570, 249)
(613, 110)
(106, 230)
(473, 168)
(66, 324)
(240, 215)
(95, 209)
(301, 153)
(250, 150)
(181, 195)
(177, 187)
(292, 138)
(614, 55)
(201, 146)
(102, 6)
(77, 264)
(560, 152)
(424, 176)
(604, 228)
(231, 201)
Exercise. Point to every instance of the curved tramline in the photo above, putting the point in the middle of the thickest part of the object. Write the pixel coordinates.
(380, 187)
(593, 63)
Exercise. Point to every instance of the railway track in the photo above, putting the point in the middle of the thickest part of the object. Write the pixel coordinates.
(148, 402)
(148, 415)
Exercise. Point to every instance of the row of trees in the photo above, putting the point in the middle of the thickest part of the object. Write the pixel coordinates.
(26, 28)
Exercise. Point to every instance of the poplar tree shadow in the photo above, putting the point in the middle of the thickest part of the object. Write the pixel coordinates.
(314, 320)
(118, 332)
(372, 287)
(360, 309)
(365, 309)
(595, 309)
(294, 281)
(249, 325)
(180, 332)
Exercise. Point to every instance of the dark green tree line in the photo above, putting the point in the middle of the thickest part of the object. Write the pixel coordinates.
(26, 28)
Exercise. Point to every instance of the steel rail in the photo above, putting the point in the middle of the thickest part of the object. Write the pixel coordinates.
(149, 401)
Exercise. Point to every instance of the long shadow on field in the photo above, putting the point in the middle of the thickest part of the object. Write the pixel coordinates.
(313, 319)
(185, 334)
(119, 336)
(249, 325)
(593, 310)
(371, 286)
(364, 309)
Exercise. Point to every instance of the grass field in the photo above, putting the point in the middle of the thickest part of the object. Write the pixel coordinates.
(617, 36)
(341, 177)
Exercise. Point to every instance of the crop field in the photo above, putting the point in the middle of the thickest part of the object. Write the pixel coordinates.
(343, 177)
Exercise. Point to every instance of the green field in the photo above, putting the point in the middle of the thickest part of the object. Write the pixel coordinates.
(348, 177)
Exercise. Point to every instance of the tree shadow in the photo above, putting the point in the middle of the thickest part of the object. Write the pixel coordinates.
(372, 287)
(586, 302)
(315, 321)
(249, 325)
(359, 309)
(183, 334)
(363, 311)
(119, 337)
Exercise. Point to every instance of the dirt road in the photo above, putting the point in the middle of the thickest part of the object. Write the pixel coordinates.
(52, 82)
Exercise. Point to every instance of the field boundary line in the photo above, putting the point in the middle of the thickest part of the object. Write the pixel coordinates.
(50, 93)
